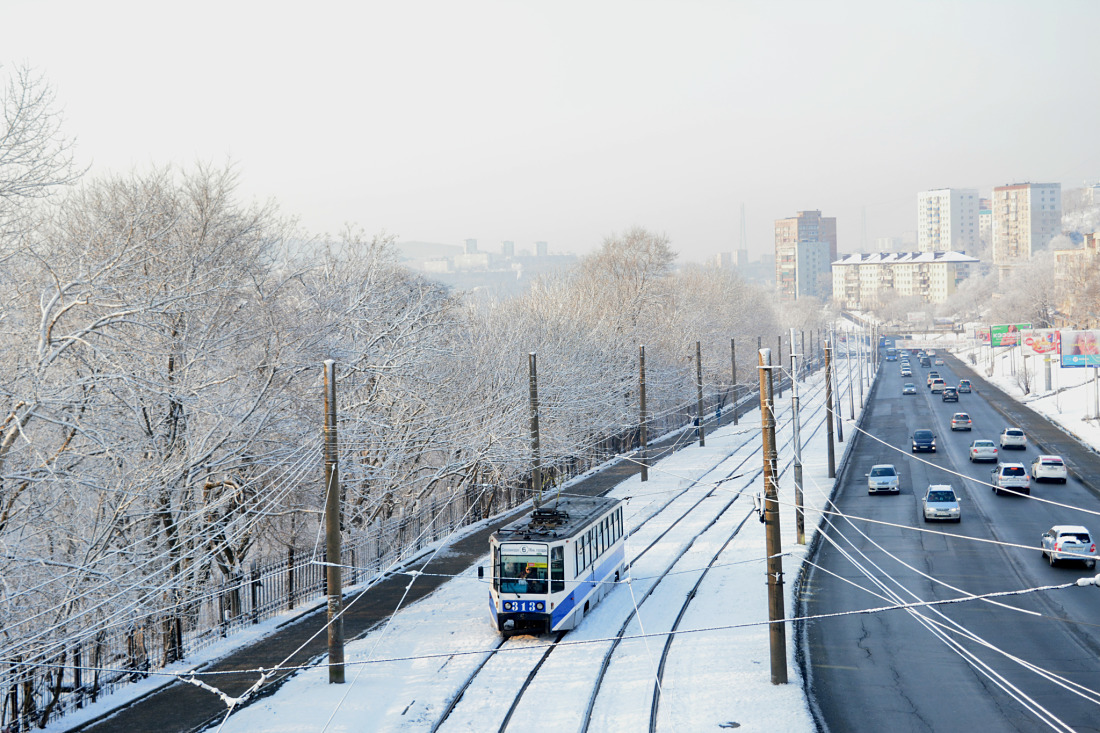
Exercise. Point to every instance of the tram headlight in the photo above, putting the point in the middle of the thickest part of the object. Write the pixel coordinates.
(507, 605)
(540, 606)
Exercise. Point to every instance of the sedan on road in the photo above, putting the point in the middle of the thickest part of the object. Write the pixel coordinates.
(1069, 542)
(909, 388)
(938, 362)
(940, 502)
(964, 386)
(906, 371)
(884, 478)
(1013, 438)
(924, 440)
(1049, 467)
(960, 421)
(983, 450)
(950, 394)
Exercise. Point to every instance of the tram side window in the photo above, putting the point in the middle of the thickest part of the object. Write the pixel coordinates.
(600, 533)
(557, 569)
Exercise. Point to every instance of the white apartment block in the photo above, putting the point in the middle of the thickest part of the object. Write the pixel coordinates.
(863, 281)
(1026, 216)
(947, 220)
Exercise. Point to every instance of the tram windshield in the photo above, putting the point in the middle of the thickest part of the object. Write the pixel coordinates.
(522, 569)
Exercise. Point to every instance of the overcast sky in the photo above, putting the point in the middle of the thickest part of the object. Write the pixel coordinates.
(569, 121)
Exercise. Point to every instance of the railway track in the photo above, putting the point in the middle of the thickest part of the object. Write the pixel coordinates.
(729, 473)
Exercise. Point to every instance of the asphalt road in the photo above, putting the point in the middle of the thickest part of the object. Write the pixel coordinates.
(887, 670)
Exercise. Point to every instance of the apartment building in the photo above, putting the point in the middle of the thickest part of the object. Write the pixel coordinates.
(1026, 216)
(947, 220)
(812, 228)
(864, 281)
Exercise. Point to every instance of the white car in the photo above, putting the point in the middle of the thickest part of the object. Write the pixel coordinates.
(1013, 438)
(940, 502)
(937, 385)
(1010, 478)
(937, 362)
(906, 371)
(883, 478)
(1049, 467)
(1069, 542)
(983, 450)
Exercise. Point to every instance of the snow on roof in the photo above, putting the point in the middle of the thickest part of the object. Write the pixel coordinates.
(898, 258)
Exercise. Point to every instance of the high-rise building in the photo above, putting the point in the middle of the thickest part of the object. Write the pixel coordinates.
(470, 248)
(723, 260)
(507, 249)
(742, 259)
(1026, 216)
(947, 220)
(808, 226)
(542, 249)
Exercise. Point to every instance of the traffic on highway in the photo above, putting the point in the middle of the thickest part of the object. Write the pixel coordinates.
(981, 506)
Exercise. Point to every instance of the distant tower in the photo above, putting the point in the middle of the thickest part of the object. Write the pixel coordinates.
(541, 249)
(743, 237)
(471, 247)
(508, 249)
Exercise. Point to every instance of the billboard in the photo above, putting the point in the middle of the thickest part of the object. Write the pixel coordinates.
(1080, 348)
(982, 334)
(1042, 342)
(1007, 335)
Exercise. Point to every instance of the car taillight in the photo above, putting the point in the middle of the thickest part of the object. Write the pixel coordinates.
(1093, 548)
(1057, 546)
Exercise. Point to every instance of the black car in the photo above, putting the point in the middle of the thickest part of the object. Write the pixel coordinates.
(950, 394)
(924, 440)
(925, 362)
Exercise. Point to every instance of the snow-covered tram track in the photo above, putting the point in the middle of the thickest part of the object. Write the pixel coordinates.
(815, 406)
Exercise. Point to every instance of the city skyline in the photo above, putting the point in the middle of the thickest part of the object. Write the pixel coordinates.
(439, 122)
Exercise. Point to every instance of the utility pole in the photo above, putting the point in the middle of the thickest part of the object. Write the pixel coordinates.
(776, 629)
(829, 407)
(333, 573)
(733, 364)
(533, 388)
(837, 410)
(642, 418)
(779, 363)
(861, 367)
(799, 519)
(851, 384)
(699, 388)
(802, 378)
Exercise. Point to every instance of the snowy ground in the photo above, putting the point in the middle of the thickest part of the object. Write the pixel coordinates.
(717, 675)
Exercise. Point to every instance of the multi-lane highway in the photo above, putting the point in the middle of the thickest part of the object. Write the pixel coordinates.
(1009, 665)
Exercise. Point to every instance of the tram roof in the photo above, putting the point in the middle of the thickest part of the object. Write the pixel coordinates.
(572, 514)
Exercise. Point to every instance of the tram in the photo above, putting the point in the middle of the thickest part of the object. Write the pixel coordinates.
(551, 567)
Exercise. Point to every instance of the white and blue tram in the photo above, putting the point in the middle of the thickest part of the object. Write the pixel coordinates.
(556, 563)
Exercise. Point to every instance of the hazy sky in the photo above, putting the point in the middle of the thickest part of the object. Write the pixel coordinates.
(569, 121)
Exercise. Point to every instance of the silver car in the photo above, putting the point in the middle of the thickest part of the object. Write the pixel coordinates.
(883, 478)
(983, 450)
(940, 502)
(1069, 542)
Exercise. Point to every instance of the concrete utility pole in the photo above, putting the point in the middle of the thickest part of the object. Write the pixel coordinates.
(736, 391)
(642, 417)
(799, 519)
(533, 388)
(699, 387)
(829, 407)
(802, 352)
(862, 366)
(333, 548)
(779, 364)
(774, 548)
(851, 384)
(836, 380)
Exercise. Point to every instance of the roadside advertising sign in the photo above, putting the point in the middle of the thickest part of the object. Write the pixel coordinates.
(1080, 348)
(1041, 342)
(1006, 335)
(982, 334)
